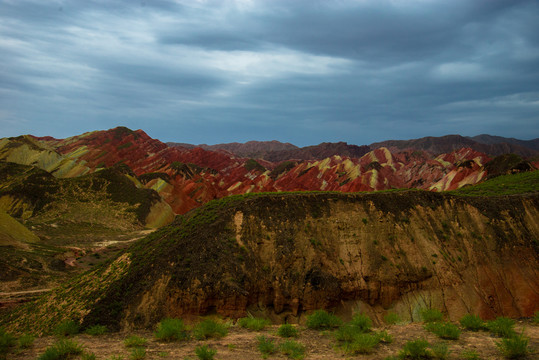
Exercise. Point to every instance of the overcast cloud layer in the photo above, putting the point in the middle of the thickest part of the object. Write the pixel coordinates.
(300, 71)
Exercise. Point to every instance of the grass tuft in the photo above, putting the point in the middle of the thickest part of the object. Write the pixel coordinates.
(416, 349)
(470, 355)
(472, 322)
(502, 326)
(515, 347)
(321, 320)
(440, 350)
(26, 341)
(391, 318)
(171, 330)
(135, 341)
(209, 329)
(137, 353)
(293, 349)
(96, 330)
(287, 331)
(253, 323)
(205, 353)
(67, 328)
(362, 344)
(431, 315)
(444, 330)
(61, 350)
(265, 346)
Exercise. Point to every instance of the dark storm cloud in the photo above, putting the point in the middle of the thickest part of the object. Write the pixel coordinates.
(298, 71)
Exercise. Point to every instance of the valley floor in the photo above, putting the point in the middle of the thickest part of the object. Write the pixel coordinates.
(242, 344)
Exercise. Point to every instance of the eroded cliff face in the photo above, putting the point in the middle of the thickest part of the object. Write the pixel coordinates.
(283, 255)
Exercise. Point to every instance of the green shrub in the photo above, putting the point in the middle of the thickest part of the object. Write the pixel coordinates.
(440, 350)
(362, 344)
(502, 326)
(287, 331)
(253, 323)
(385, 337)
(266, 346)
(96, 330)
(361, 322)
(205, 353)
(347, 333)
(61, 350)
(391, 318)
(431, 315)
(6, 342)
(171, 330)
(416, 349)
(470, 355)
(135, 341)
(444, 330)
(137, 353)
(209, 329)
(472, 322)
(321, 319)
(293, 349)
(67, 328)
(515, 347)
(26, 341)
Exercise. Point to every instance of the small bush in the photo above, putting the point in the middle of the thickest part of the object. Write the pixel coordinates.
(361, 322)
(209, 329)
(502, 326)
(96, 330)
(431, 315)
(266, 346)
(444, 330)
(205, 353)
(171, 330)
(6, 341)
(391, 318)
(253, 323)
(347, 333)
(63, 349)
(385, 337)
(321, 319)
(89, 356)
(67, 328)
(515, 347)
(417, 349)
(362, 344)
(470, 355)
(137, 353)
(292, 349)
(25, 341)
(287, 331)
(135, 341)
(440, 350)
(472, 322)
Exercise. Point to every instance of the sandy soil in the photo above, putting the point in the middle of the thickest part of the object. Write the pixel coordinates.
(242, 344)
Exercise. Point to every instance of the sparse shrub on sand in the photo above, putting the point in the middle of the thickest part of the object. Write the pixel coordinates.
(444, 330)
(470, 355)
(293, 349)
(321, 320)
(253, 323)
(67, 328)
(205, 353)
(63, 349)
(137, 353)
(472, 322)
(209, 329)
(431, 315)
(502, 326)
(440, 350)
(25, 341)
(515, 347)
(135, 341)
(416, 349)
(361, 322)
(362, 343)
(287, 331)
(96, 330)
(265, 346)
(171, 330)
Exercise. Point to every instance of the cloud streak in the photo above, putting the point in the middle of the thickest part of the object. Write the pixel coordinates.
(301, 71)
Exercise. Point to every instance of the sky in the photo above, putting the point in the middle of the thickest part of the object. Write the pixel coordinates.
(298, 71)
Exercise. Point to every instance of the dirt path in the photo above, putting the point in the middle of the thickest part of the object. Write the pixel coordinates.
(241, 344)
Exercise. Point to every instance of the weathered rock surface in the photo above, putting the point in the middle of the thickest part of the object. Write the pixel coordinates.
(282, 255)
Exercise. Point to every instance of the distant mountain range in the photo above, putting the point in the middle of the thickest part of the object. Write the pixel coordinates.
(276, 151)
(187, 176)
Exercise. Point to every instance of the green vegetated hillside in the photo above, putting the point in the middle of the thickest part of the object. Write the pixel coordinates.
(48, 220)
(520, 183)
(286, 254)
